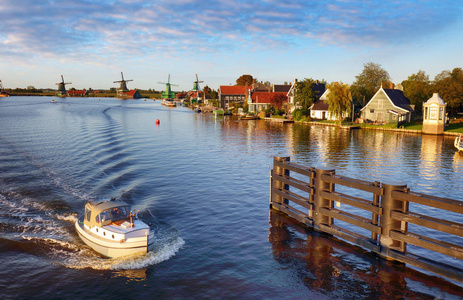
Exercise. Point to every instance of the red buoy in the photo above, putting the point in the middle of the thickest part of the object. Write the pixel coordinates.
(157, 121)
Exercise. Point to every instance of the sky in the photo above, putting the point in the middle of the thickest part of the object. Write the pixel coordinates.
(90, 42)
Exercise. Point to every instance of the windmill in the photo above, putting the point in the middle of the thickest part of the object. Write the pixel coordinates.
(197, 89)
(2, 92)
(123, 88)
(168, 94)
(62, 87)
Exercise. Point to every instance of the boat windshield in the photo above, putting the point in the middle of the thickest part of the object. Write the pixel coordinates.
(120, 213)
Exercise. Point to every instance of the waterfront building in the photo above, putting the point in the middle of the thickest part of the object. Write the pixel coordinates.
(232, 94)
(318, 87)
(77, 93)
(434, 115)
(132, 94)
(388, 106)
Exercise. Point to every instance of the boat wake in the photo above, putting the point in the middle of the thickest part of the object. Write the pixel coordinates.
(34, 228)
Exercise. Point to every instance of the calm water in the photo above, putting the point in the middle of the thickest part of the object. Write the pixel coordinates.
(203, 185)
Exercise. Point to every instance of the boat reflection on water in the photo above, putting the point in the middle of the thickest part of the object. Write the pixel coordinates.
(340, 270)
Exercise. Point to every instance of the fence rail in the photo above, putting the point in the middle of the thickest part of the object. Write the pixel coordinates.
(311, 200)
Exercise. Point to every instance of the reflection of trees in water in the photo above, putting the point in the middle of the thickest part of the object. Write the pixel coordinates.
(339, 270)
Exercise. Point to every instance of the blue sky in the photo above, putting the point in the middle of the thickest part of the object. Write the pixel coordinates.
(91, 41)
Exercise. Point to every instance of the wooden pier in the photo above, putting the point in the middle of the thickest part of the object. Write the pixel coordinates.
(309, 196)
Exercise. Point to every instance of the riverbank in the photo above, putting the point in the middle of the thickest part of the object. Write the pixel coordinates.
(453, 129)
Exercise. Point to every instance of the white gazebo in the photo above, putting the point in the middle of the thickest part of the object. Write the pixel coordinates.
(434, 111)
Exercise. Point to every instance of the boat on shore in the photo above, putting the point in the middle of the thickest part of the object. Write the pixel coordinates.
(168, 103)
(111, 229)
(248, 117)
(459, 143)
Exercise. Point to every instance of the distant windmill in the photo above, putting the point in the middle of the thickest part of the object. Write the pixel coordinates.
(123, 88)
(168, 94)
(197, 89)
(62, 87)
(2, 92)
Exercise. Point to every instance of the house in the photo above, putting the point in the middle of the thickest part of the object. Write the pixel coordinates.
(388, 106)
(77, 93)
(230, 94)
(320, 108)
(434, 115)
(132, 94)
(318, 87)
(258, 101)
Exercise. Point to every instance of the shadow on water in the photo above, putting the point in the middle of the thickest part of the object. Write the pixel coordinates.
(340, 270)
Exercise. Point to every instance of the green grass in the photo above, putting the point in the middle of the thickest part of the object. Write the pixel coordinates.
(455, 127)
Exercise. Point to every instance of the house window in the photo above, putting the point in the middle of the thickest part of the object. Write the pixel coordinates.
(441, 113)
(425, 113)
(433, 113)
(372, 111)
(380, 103)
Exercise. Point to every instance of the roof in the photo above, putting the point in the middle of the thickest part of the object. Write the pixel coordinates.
(76, 92)
(435, 99)
(233, 89)
(264, 97)
(101, 206)
(320, 105)
(397, 98)
(282, 88)
(318, 88)
(130, 93)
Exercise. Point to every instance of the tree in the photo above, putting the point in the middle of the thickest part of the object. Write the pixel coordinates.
(277, 100)
(245, 80)
(305, 95)
(339, 99)
(417, 88)
(207, 90)
(449, 85)
(214, 94)
(368, 82)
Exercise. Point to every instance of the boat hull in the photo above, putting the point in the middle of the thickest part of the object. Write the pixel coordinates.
(115, 249)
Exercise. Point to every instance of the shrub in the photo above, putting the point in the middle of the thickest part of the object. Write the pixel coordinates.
(301, 115)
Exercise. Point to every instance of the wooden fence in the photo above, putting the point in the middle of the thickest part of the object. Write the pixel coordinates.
(311, 200)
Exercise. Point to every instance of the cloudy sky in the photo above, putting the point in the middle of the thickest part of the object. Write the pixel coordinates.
(91, 41)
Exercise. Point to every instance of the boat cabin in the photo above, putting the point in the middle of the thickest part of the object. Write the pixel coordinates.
(107, 212)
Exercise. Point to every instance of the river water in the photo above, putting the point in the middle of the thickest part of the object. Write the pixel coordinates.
(202, 184)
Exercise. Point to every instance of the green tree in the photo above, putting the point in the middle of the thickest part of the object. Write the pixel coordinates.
(207, 90)
(368, 82)
(339, 100)
(214, 94)
(304, 94)
(245, 80)
(449, 85)
(418, 89)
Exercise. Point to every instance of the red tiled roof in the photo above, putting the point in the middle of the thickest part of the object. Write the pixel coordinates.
(263, 97)
(76, 92)
(130, 93)
(234, 89)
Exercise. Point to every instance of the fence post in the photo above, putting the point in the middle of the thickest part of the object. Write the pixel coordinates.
(277, 199)
(319, 201)
(389, 204)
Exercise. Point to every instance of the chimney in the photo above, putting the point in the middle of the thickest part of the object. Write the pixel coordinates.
(391, 86)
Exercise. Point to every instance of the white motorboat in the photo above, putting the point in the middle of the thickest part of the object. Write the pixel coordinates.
(111, 229)
(459, 143)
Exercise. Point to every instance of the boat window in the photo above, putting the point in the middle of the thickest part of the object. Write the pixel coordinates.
(119, 213)
(88, 213)
(103, 216)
